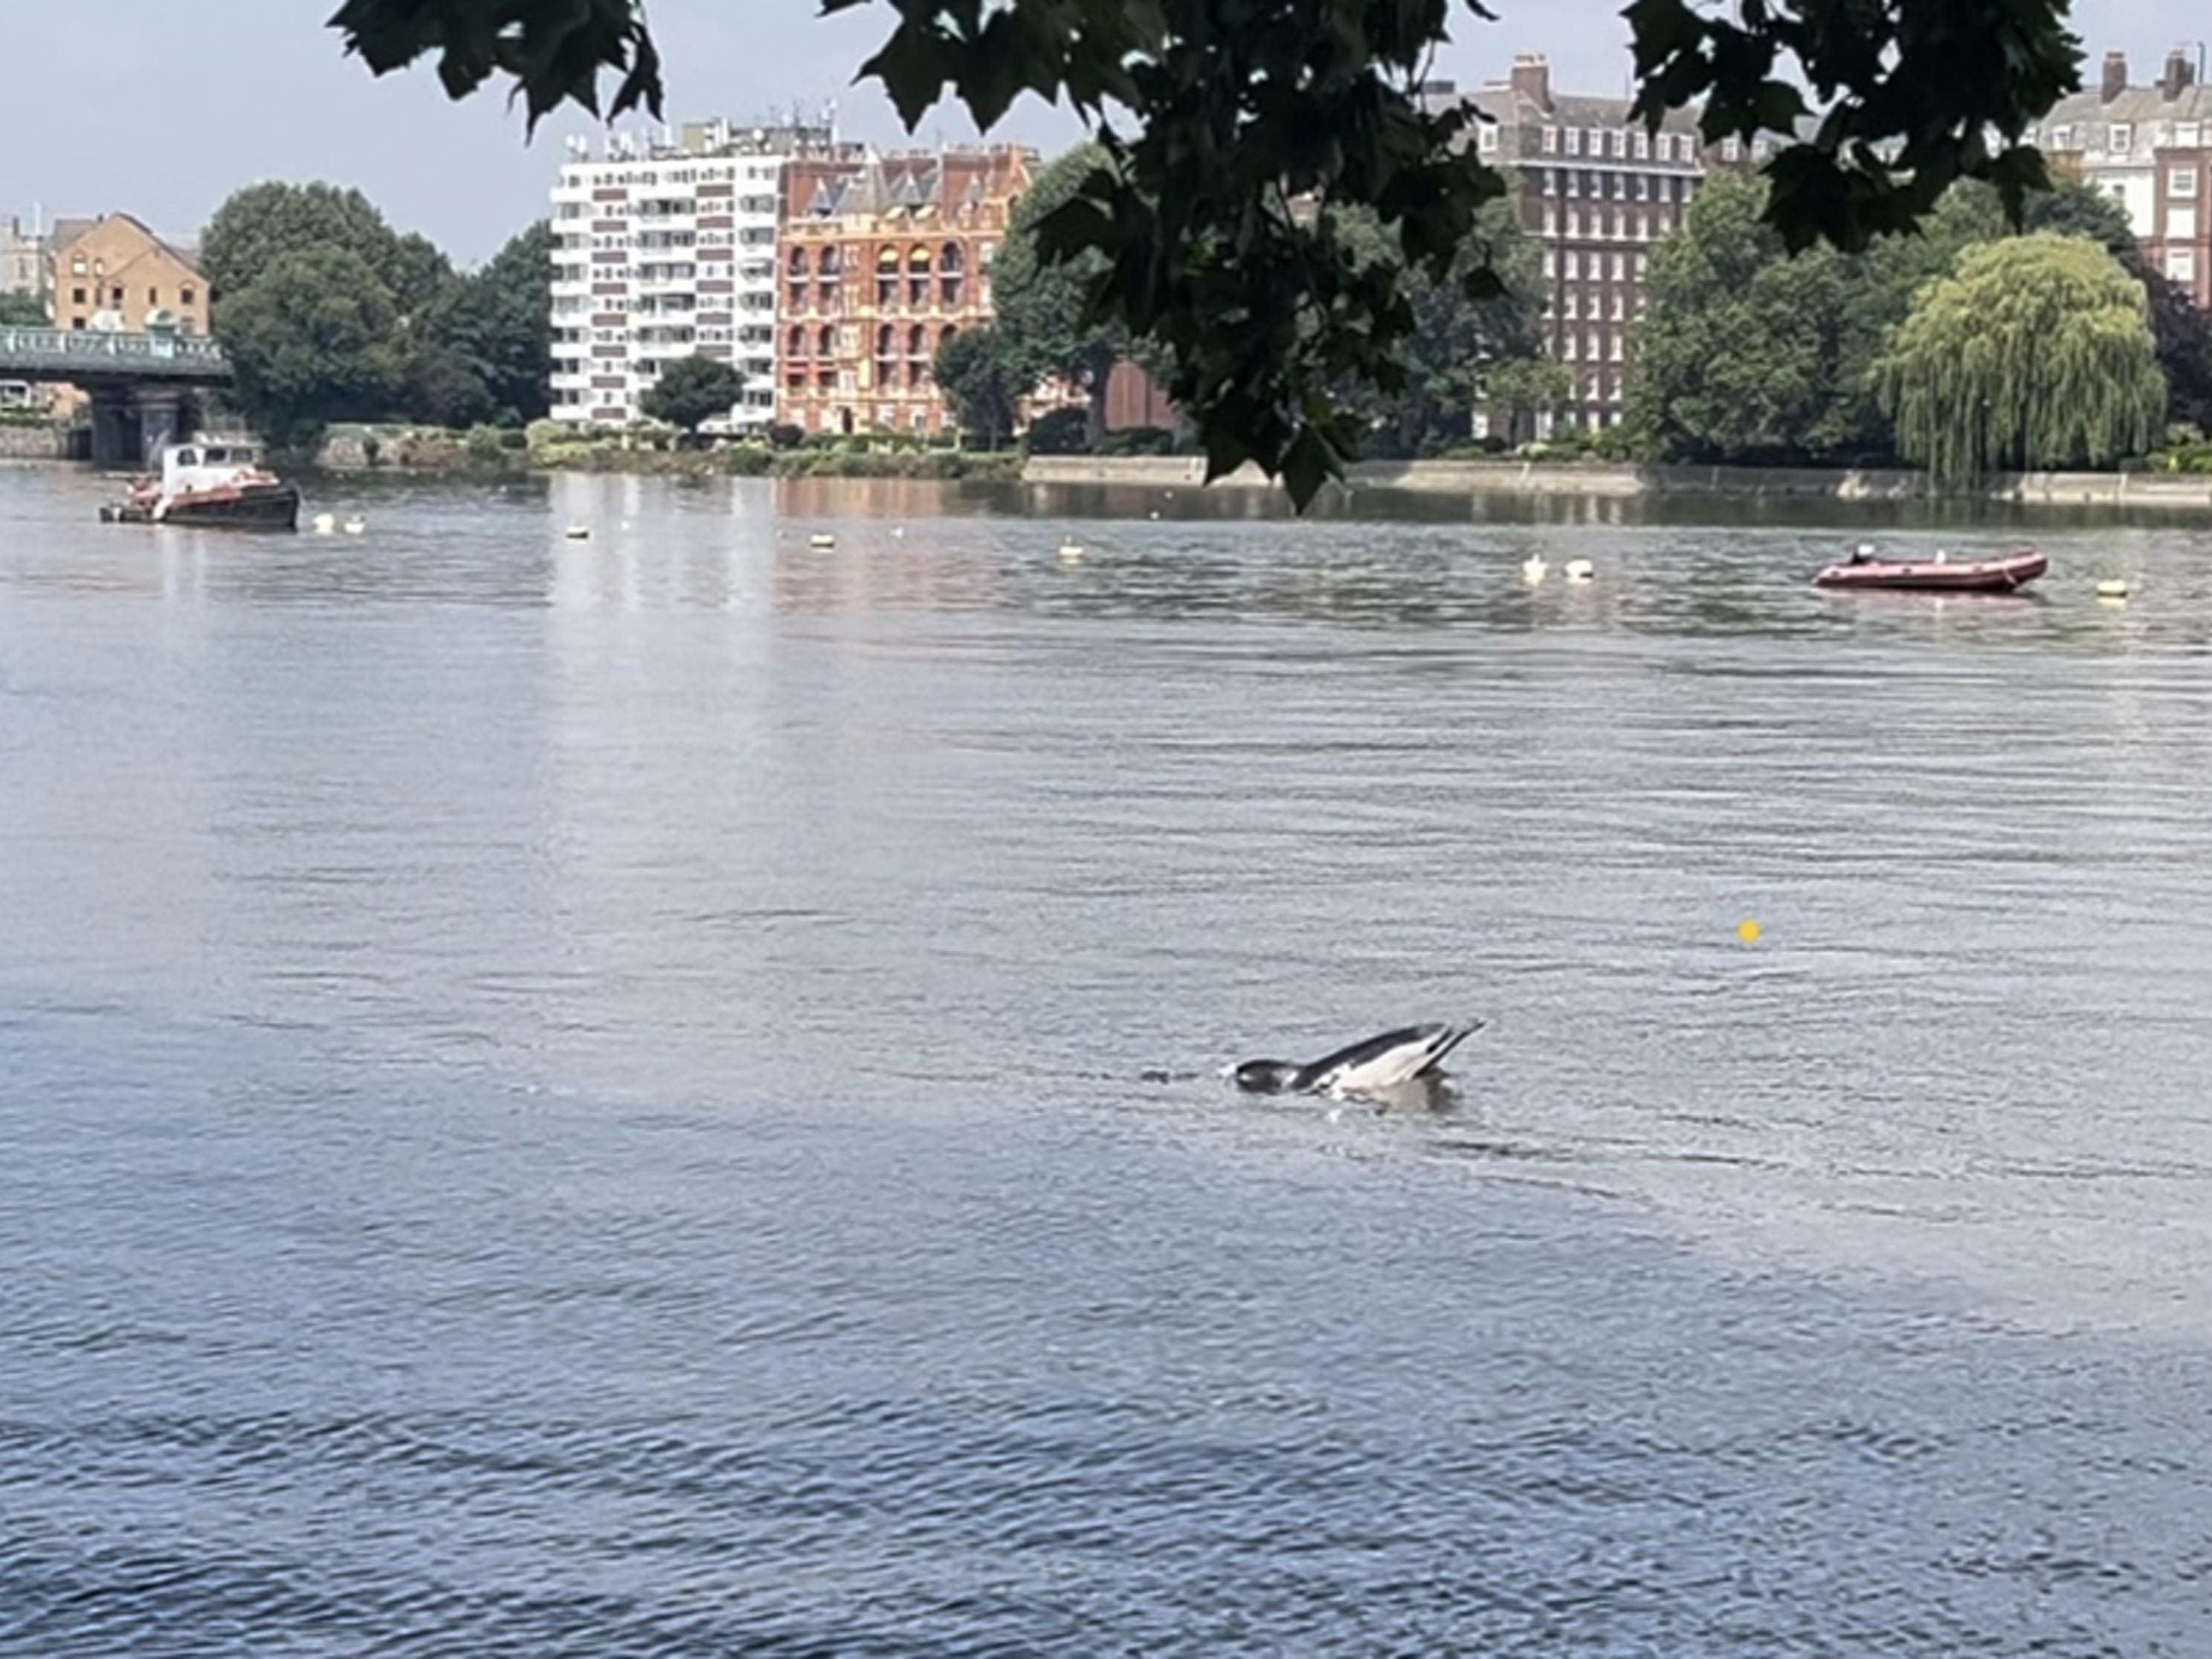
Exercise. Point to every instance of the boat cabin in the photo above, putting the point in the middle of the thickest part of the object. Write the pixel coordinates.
(208, 464)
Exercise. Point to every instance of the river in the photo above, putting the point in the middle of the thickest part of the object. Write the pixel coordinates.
(656, 1094)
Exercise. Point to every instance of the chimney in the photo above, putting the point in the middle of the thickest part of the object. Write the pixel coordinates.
(2178, 74)
(1532, 79)
(2116, 75)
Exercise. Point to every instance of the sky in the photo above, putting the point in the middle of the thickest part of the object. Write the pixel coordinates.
(163, 109)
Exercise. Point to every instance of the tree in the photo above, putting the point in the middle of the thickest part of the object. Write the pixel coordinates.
(985, 382)
(1456, 341)
(1040, 305)
(2036, 351)
(258, 226)
(21, 308)
(1520, 389)
(1218, 117)
(313, 338)
(483, 345)
(1748, 353)
(693, 390)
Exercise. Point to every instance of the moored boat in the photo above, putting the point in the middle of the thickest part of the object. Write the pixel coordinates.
(1936, 576)
(218, 483)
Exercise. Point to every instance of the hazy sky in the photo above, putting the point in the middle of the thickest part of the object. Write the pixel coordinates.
(162, 109)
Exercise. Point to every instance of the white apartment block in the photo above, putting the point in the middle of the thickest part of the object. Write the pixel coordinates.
(664, 247)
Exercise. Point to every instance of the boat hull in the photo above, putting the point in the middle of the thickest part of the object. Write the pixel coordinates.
(1900, 576)
(250, 507)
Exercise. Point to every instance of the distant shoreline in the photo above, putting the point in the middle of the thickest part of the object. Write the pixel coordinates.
(2178, 492)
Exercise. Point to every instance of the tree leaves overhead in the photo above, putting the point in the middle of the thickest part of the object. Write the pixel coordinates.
(554, 51)
(1907, 93)
(1225, 123)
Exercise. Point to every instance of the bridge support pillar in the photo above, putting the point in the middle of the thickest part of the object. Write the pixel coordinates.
(116, 440)
(132, 422)
(165, 417)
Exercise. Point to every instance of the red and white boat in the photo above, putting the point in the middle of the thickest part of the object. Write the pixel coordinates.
(218, 483)
(1936, 576)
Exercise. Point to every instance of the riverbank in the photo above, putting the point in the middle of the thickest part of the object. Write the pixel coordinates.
(489, 451)
(2180, 492)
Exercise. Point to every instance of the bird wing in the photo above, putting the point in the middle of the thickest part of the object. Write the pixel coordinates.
(1389, 1057)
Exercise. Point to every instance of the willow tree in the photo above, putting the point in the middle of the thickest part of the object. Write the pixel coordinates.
(2035, 351)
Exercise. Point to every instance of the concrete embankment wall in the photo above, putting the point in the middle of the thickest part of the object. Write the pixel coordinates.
(34, 443)
(2180, 491)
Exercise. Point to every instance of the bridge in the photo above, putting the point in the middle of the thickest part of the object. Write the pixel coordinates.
(140, 384)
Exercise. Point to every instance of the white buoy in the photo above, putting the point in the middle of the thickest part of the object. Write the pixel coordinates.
(1156, 513)
(326, 523)
(1071, 552)
(1533, 569)
(355, 524)
(898, 532)
(822, 538)
(2112, 587)
(577, 532)
(1581, 570)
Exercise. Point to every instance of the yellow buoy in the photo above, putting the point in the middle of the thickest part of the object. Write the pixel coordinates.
(822, 538)
(1747, 931)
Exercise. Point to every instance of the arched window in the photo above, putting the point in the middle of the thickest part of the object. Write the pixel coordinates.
(826, 345)
(950, 261)
(883, 340)
(798, 347)
(916, 342)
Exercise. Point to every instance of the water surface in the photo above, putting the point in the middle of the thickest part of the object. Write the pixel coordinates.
(655, 1094)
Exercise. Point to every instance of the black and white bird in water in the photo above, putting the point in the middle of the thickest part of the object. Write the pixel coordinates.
(1372, 1065)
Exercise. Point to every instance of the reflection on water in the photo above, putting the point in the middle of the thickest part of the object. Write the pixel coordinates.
(661, 1093)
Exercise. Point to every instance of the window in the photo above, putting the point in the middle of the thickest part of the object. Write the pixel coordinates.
(1639, 267)
(2062, 137)
(1551, 141)
(1574, 181)
(1620, 265)
(1551, 220)
(77, 295)
(2189, 134)
(1619, 143)
(153, 297)
(1616, 344)
(1574, 264)
(1567, 348)
(1620, 305)
(1485, 138)
(2181, 265)
(1643, 144)
(1596, 141)
(1592, 347)
(1574, 305)
(2181, 183)
(1574, 221)
(1643, 187)
(2119, 138)
(1551, 263)
(1574, 141)
(1551, 181)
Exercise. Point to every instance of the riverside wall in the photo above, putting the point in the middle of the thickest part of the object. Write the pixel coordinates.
(2186, 492)
(34, 443)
